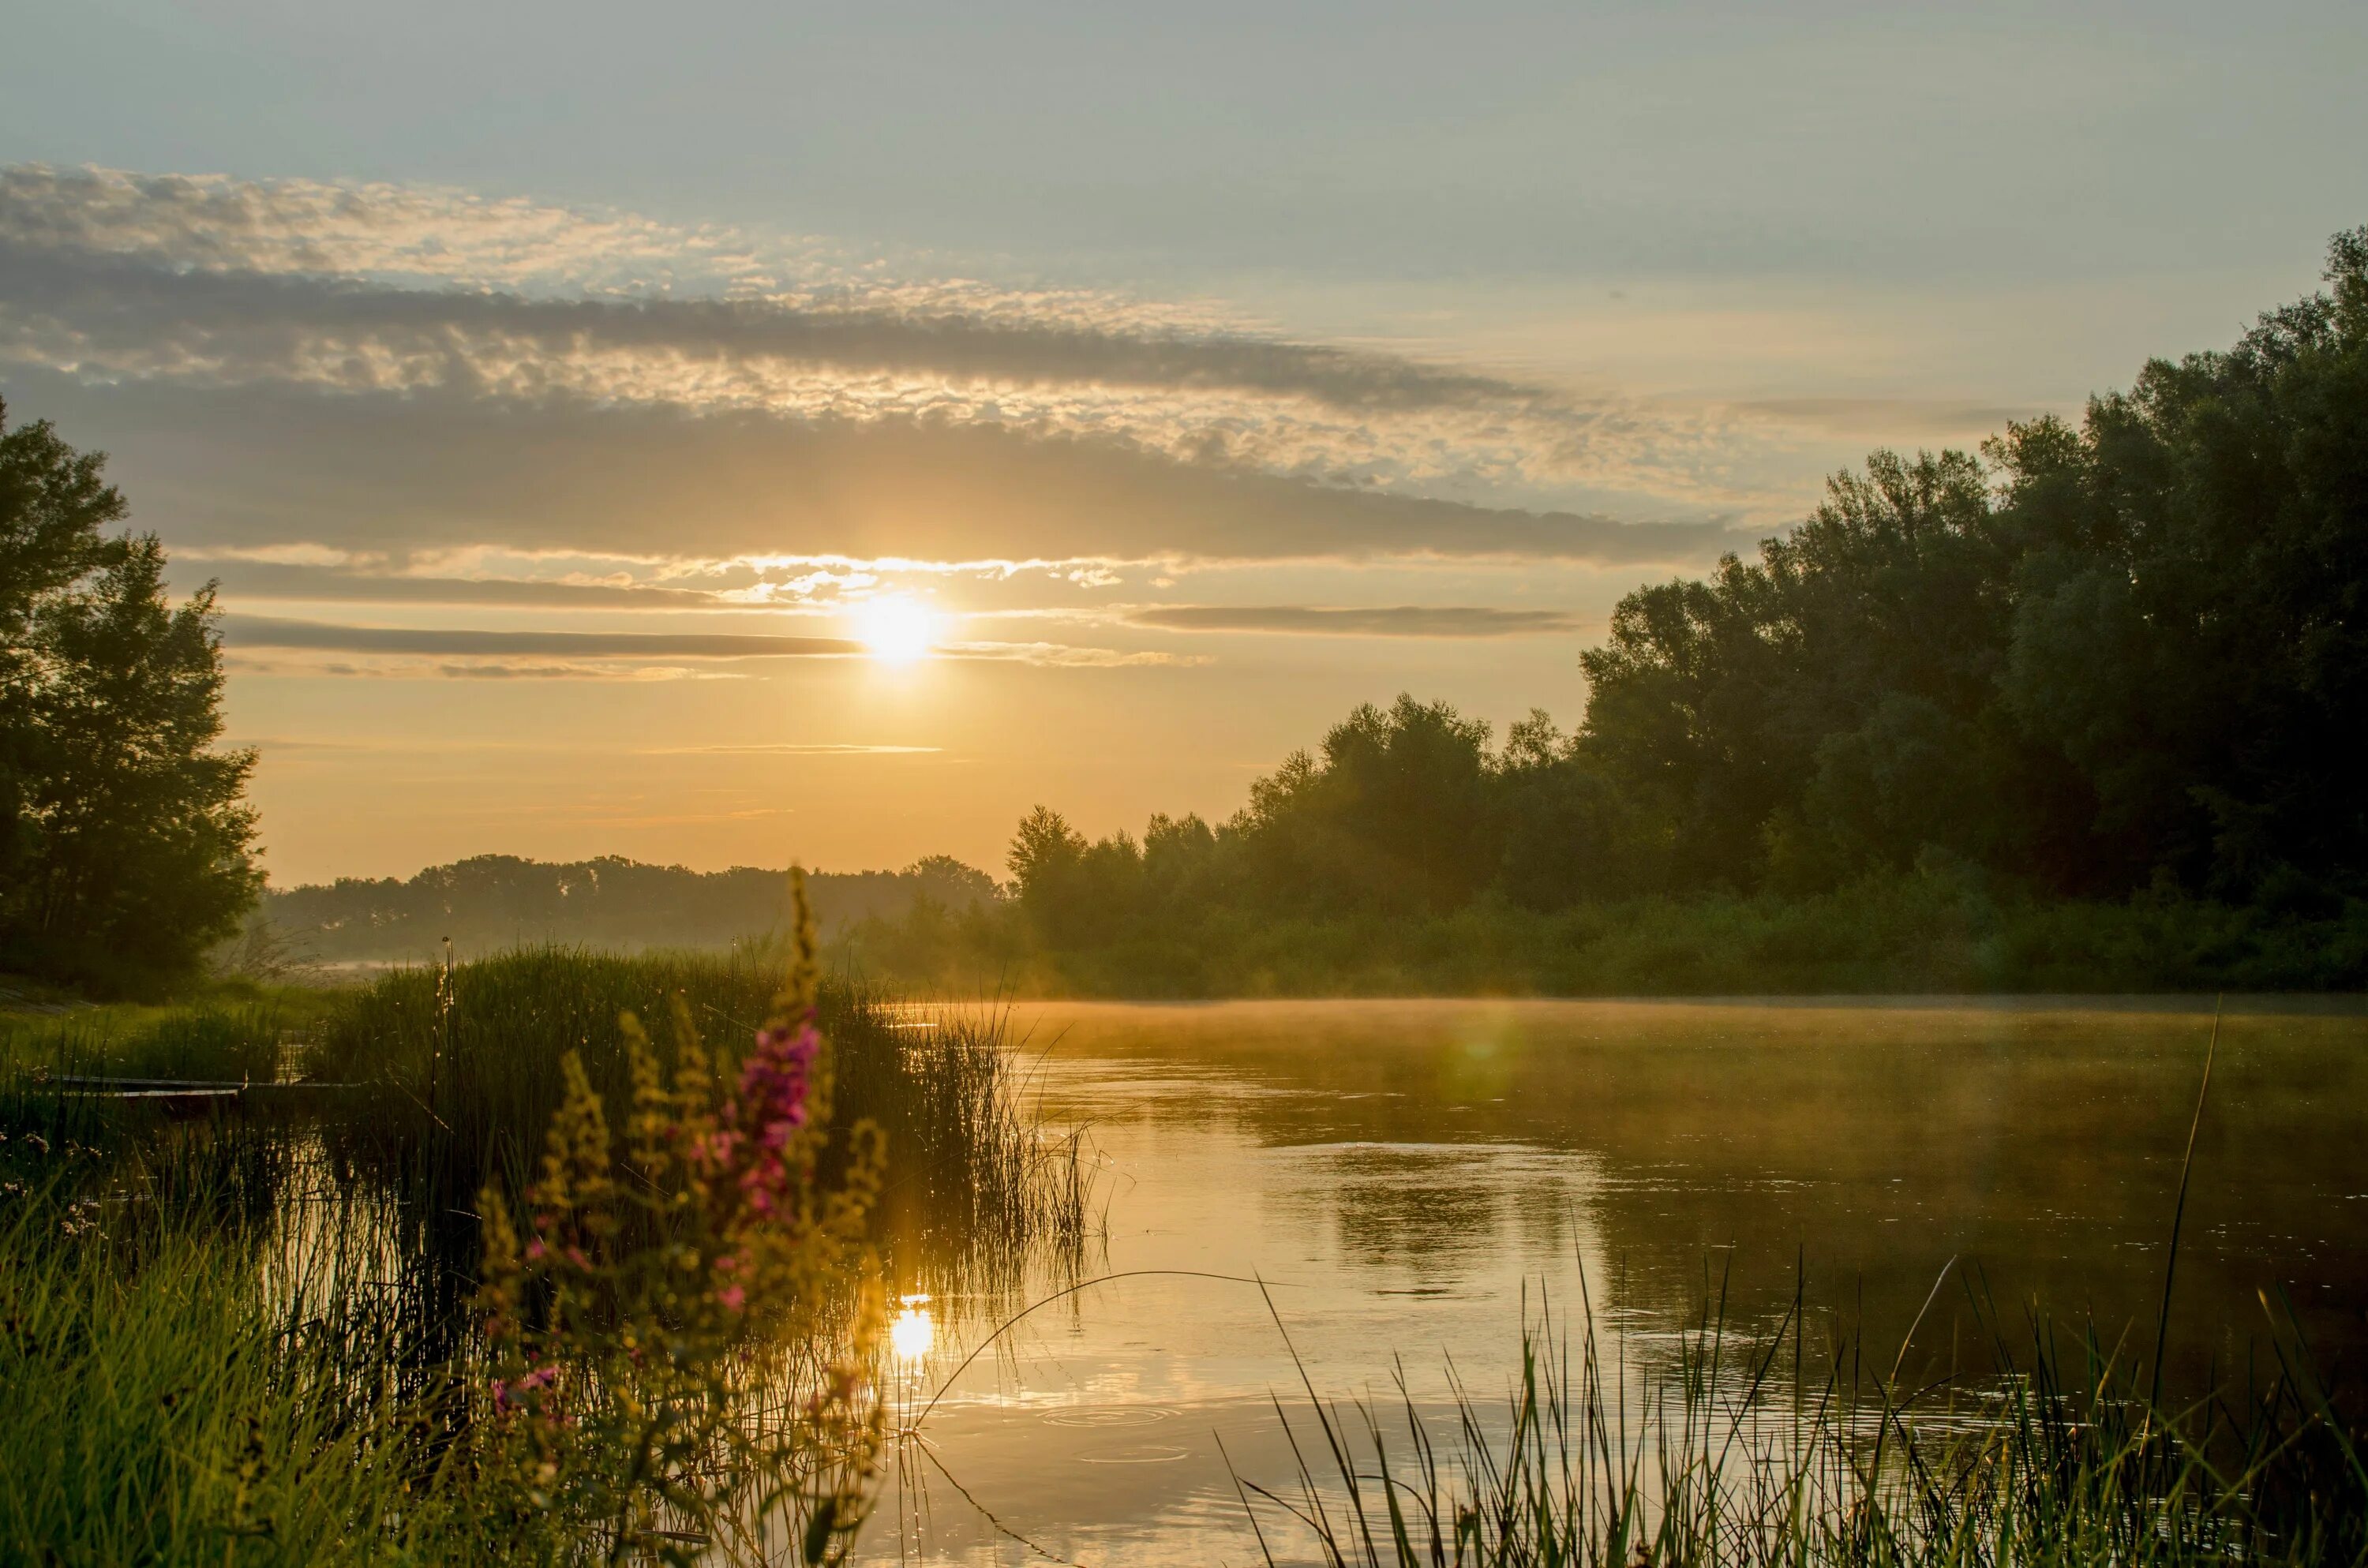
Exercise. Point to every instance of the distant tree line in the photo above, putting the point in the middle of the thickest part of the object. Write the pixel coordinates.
(124, 838)
(2128, 657)
(491, 902)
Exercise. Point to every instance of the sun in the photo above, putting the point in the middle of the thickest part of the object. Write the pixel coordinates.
(896, 630)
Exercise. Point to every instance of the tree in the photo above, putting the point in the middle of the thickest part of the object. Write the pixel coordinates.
(125, 841)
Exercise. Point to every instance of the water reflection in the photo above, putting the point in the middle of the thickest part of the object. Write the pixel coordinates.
(912, 1333)
(1407, 1178)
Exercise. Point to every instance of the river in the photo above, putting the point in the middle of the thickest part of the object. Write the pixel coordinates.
(1392, 1182)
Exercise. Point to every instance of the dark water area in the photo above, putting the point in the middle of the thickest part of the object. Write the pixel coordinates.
(1409, 1179)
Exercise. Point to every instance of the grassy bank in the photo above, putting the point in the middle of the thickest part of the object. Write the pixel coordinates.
(1902, 934)
(248, 1332)
(474, 1054)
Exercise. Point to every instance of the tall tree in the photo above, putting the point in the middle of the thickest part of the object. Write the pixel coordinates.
(126, 845)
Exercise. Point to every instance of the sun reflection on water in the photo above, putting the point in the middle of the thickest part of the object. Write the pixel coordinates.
(912, 1331)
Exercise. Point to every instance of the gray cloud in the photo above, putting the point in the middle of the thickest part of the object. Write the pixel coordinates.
(1398, 621)
(326, 584)
(344, 291)
(398, 371)
(244, 326)
(243, 632)
(260, 466)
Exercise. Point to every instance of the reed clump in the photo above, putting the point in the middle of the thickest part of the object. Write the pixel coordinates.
(217, 1040)
(1743, 1450)
(461, 1068)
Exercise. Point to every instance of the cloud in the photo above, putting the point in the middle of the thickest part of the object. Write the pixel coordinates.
(304, 583)
(1327, 414)
(352, 291)
(1060, 655)
(792, 748)
(468, 654)
(370, 667)
(243, 631)
(1399, 620)
(400, 474)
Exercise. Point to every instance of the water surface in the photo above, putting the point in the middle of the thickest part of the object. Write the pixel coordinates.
(1408, 1179)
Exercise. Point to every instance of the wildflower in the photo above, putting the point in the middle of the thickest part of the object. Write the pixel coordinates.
(733, 1297)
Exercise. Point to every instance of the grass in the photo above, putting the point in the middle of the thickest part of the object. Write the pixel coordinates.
(1901, 934)
(464, 1070)
(1780, 1449)
(238, 1337)
(174, 1400)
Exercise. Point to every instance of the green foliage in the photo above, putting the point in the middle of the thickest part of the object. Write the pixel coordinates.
(214, 1041)
(160, 1412)
(649, 1397)
(2135, 649)
(2100, 688)
(1936, 929)
(1772, 1447)
(490, 902)
(123, 839)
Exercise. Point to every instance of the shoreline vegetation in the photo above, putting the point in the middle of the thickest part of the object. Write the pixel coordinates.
(2079, 713)
(277, 1337)
(573, 1257)
(522, 1279)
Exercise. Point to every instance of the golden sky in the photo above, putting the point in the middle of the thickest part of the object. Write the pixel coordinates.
(599, 455)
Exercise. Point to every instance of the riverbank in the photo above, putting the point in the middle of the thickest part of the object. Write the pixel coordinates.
(1909, 935)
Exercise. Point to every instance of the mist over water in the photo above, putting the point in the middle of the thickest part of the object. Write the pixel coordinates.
(1409, 1178)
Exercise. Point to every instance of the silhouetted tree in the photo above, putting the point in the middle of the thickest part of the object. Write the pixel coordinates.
(2121, 656)
(124, 841)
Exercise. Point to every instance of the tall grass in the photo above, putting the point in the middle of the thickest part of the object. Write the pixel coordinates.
(1780, 1449)
(217, 1040)
(462, 1067)
(245, 1335)
(172, 1397)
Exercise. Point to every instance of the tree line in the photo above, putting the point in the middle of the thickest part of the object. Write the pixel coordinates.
(2121, 657)
(491, 902)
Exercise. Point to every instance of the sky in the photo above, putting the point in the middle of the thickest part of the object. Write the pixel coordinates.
(742, 433)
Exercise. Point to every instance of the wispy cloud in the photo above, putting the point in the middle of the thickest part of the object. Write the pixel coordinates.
(792, 748)
(473, 654)
(1062, 656)
(345, 291)
(241, 632)
(304, 584)
(382, 667)
(1397, 620)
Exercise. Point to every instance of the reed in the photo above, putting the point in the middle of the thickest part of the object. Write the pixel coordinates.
(460, 1069)
(217, 1040)
(1777, 1449)
(174, 1397)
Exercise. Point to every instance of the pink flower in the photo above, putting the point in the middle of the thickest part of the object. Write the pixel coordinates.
(535, 1249)
(733, 1297)
(774, 1080)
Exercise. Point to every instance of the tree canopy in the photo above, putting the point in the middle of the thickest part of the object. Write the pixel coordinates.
(125, 842)
(2127, 655)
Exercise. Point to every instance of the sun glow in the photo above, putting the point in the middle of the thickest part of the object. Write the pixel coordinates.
(896, 630)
